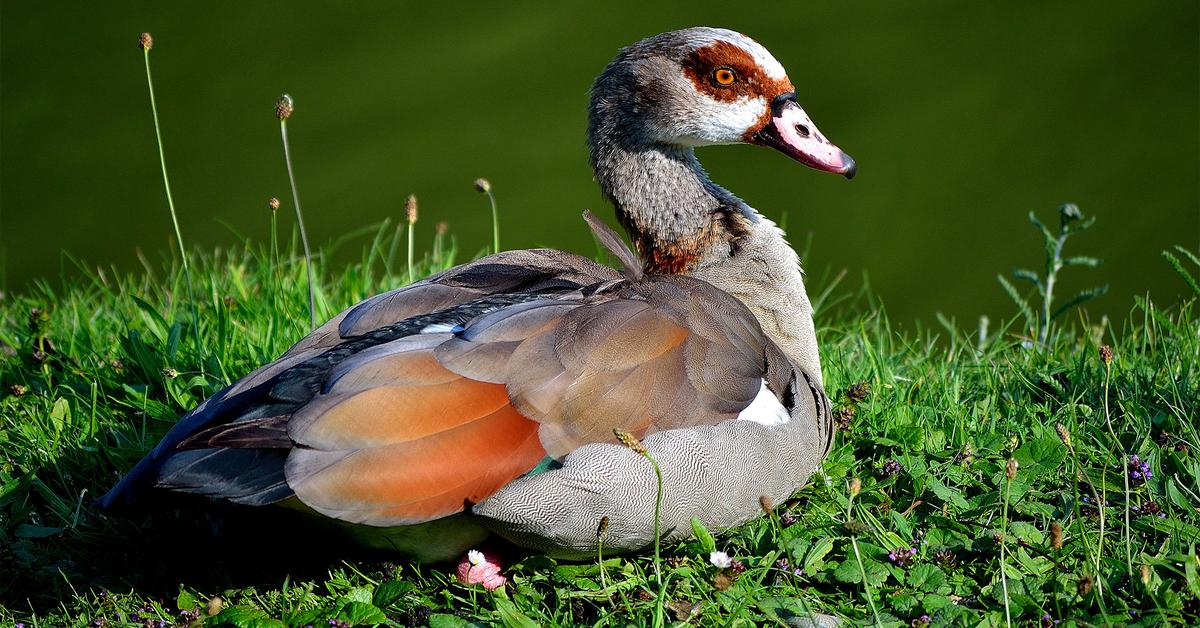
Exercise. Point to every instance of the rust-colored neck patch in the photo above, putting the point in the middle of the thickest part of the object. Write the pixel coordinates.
(684, 255)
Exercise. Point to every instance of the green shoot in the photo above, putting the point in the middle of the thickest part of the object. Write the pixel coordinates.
(1071, 222)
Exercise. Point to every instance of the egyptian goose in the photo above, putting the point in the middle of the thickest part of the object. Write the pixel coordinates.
(483, 399)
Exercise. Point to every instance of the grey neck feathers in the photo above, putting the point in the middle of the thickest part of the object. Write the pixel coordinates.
(681, 222)
(663, 197)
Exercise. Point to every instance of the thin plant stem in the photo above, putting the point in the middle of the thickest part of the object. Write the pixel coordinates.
(628, 440)
(483, 186)
(1087, 545)
(1124, 473)
(273, 275)
(495, 221)
(411, 271)
(862, 571)
(601, 534)
(1003, 543)
(287, 158)
(1053, 264)
(600, 562)
(162, 162)
(657, 518)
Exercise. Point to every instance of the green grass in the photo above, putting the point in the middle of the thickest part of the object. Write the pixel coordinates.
(106, 366)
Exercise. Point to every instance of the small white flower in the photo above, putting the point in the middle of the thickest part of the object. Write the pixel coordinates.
(475, 557)
(720, 559)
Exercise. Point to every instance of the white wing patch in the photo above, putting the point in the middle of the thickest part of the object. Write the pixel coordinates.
(765, 409)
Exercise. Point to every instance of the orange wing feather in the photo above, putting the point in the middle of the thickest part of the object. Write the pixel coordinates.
(396, 455)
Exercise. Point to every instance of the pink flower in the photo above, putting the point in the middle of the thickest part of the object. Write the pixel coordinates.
(478, 567)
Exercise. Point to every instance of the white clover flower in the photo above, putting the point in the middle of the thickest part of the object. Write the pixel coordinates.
(720, 559)
(475, 557)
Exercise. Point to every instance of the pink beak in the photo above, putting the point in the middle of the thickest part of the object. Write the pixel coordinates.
(793, 133)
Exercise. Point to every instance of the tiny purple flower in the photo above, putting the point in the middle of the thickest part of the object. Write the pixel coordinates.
(892, 467)
(799, 572)
(1149, 508)
(787, 519)
(903, 557)
(1139, 470)
(782, 564)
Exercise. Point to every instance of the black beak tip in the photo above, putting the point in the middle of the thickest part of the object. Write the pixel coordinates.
(851, 166)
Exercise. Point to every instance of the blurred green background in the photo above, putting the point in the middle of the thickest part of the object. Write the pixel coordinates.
(963, 116)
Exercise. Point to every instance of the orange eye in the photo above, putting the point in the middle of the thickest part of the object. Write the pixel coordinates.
(724, 77)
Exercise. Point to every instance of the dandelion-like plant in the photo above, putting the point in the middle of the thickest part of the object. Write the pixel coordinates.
(147, 42)
(284, 108)
(410, 213)
(483, 186)
(636, 445)
(1071, 222)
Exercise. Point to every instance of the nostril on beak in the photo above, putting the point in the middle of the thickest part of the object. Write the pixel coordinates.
(802, 130)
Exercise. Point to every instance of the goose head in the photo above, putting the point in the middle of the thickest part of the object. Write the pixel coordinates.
(701, 87)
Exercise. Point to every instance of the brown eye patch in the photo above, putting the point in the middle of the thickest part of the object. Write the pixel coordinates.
(706, 67)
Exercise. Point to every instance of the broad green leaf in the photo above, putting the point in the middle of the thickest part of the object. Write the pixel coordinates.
(186, 601)
(60, 414)
(362, 614)
(816, 556)
(511, 617)
(390, 591)
(848, 571)
(926, 578)
(707, 543)
(359, 594)
(442, 620)
(945, 493)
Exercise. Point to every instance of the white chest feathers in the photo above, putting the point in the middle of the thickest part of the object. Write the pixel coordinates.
(765, 409)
